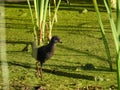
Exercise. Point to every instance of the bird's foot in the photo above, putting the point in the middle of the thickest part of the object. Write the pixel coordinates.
(38, 75)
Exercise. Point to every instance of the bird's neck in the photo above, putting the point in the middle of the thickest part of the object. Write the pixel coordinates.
(52, 45)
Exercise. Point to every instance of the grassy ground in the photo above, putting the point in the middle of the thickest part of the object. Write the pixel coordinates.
(82, 44)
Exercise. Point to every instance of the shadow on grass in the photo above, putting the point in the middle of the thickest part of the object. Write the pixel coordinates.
(17, 4)
(79, 27)
(71, 75)
(104, 69)
(18, 42)
(83, 52)
(59, 73)
(21, 64)
(25, 48)
(18, 26)
(56, 72)
(81, 7)
(72, 7)
(81, 67)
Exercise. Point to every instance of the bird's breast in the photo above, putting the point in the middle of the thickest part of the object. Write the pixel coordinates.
(50, 54)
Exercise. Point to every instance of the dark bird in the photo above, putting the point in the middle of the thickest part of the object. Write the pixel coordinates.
(45, 52)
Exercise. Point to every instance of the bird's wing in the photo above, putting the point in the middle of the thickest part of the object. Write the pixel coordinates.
(44, 52)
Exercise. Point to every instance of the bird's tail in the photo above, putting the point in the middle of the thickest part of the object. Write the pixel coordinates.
(34, 50)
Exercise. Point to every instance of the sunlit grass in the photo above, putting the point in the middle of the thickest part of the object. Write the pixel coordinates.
(82, 44)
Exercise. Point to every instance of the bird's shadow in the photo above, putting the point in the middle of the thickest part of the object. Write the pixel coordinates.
(68, 74)
(51, 71)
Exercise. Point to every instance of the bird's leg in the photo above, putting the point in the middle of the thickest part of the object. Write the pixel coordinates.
(40, 69)
(37, 68)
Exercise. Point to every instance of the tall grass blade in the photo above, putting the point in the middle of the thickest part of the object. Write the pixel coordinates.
(36, 29)
(118, 69)
(3, 55)
(56, 9)
(103, 34)
(33, 23)
(118, 53)
(44, 18)
(41, 10)
(51, 22)
(36, 5)
(113, 26)
(35, 42)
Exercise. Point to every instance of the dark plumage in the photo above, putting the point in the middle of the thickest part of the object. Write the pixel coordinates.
(46, 52)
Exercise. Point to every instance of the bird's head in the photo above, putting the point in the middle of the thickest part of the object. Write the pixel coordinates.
(55, 39)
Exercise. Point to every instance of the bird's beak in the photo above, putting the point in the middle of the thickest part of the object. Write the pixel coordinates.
(60, 41)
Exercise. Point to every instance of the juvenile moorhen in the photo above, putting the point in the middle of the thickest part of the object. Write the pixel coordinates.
(45, 52)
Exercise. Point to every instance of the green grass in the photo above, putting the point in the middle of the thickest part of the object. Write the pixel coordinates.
(82, 44)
